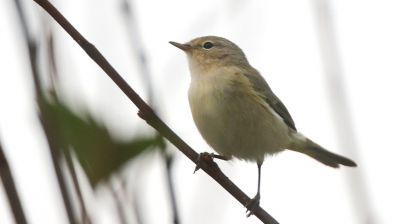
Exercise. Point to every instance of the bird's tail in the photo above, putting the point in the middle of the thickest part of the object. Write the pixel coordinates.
(312, 149)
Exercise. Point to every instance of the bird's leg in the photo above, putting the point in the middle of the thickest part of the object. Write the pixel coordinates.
(207, 157)
(254, 203)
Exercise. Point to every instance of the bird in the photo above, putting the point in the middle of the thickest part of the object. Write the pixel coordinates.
(236, 111)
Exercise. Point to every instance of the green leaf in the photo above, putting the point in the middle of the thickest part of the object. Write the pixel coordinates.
(98, 153)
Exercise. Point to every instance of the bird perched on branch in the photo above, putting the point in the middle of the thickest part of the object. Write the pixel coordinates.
(236, 111)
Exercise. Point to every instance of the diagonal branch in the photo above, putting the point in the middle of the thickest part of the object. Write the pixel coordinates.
(146, 113)
(11, 191)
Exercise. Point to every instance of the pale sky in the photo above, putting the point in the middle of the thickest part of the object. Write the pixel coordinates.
(281, 40)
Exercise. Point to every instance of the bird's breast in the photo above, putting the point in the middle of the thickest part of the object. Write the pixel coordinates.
(231, 118)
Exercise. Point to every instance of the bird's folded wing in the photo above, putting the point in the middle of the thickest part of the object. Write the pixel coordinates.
(261, 86)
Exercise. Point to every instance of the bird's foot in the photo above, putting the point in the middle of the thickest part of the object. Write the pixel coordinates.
(252, 205)
(207, 157)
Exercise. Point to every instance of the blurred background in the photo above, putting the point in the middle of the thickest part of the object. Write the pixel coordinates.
(78, 151)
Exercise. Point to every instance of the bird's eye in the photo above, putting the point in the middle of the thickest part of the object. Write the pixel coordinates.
(208, 45)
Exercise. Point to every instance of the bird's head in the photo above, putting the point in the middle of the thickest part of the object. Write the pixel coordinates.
(209, 51)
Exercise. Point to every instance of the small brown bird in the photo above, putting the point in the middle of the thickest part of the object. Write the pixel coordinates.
(236, 111)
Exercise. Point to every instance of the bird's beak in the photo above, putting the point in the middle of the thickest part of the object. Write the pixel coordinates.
(183, 47)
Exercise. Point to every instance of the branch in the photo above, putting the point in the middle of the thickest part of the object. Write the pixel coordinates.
(119, 205)
(168, 160)
(53, 139)
(133, 32)
(146, 113)
(340, 106)
(11, 191)
(31, 45)
(47, 127)
(70, 165)
(136, 44)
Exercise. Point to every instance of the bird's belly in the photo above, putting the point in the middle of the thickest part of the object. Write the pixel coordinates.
(236, 125)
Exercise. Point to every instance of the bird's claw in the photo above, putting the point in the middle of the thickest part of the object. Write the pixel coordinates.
(252, 205)
(203, 157)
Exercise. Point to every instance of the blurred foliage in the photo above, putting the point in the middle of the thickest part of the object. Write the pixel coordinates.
(98, 153)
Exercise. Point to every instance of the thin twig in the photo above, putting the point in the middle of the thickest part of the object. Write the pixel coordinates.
(54, 78)
(31, 45)
(47, 126)
(11, 190)
(85, 215)
(340, 106)
(168, 159)
(51, 58)
(133, 32)
(136, 208)
(50, 130)
(146, 113)
(135, 41)
(118, 204)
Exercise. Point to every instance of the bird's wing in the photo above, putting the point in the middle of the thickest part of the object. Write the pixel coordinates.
(261, 86)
